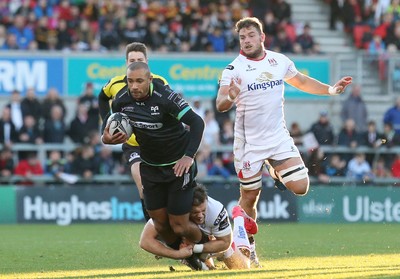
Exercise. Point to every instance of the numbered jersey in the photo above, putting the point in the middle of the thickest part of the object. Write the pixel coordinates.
(259, 105)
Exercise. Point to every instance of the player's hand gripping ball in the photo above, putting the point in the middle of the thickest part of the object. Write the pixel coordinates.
(119, 122)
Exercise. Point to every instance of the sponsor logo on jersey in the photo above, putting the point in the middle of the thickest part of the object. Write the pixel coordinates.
(133, 156)
(246, 166)
(140, 103)
(272, 62)
(230, 67)
(128, 109)
(146, 125)
(154, 110)
(224, 224)
(221, 215)
(265, 82)
(250, 68)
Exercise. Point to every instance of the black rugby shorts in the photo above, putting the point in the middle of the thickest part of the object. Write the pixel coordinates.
(162, 189)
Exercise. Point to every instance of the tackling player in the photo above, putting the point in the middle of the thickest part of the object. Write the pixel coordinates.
(254, 82)
(131, 150)
(213, 220)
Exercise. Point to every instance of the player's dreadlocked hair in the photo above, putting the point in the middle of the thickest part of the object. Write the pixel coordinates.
(137, 47)
(199, 195)
(247, 22)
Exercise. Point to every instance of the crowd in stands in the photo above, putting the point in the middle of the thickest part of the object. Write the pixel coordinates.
(182, 26)
(163, 25)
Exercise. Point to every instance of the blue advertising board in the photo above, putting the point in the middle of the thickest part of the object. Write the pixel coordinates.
(41, 73)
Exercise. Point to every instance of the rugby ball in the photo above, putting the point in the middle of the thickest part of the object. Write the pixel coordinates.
(119, 122)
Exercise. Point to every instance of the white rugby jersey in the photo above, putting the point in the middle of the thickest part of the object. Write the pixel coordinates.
(216, 219)
(259, 105)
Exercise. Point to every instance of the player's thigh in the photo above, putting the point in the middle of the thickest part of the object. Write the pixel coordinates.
(293, 173)
(181, 191)
(155, 191)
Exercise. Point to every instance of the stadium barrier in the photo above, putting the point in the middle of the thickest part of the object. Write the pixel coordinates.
(42, 151)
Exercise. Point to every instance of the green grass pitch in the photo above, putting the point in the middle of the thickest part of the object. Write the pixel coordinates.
(285, 250)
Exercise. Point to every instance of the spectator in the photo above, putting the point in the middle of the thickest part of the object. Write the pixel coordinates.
(348, 136)
(335, 167)
(323, 130)
(305, 39)
(81, 125)
(28, 168)
(396, 167)
(30, 105)
(29, 132)
(24, 35)
(56, 165)
(64, 36)
(105, 162)
(8, 132)
(211, 130)
(358, 169)
(90, 101)
(355, 108)
(335, 13)
(218, 168)
(6, 163)
(16, 110)
(10, 42)
(379, 169)
(217, 39)
(392, 116)
(109, 37)
(282, 10)
(296, 133)
(84, 36)
(54, 130)
(154, 39)
(52, 98)
(84, 163)
(198, 106)
(371, 138)
(281, 43)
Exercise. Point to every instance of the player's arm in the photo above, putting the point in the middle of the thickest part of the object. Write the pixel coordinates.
(149, 242)
(217, 245)
(104, 104)
(227, 95)
(313, 86)
(196, 124)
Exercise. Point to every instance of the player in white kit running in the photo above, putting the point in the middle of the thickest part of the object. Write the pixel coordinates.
(254, 82)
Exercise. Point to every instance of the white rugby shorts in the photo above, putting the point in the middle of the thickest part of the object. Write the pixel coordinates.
(249, 159)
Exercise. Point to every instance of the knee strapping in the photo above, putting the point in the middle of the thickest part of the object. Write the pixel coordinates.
(253, 184)
(294, 173)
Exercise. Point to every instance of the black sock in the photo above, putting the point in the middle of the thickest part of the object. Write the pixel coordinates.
(145, 214)
(251, 239)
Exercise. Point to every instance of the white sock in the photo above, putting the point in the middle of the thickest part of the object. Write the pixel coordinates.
(240, 237)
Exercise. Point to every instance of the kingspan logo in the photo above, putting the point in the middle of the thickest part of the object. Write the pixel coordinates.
(146, 125)
(264, 82)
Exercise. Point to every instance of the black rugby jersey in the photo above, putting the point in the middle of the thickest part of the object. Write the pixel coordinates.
(157, 124)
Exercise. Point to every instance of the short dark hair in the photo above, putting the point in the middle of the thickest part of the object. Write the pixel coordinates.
(199, 195)
(247, 22)
(139, 65)
(137, 47)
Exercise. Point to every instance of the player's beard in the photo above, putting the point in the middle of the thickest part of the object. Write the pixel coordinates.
(257, 53)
